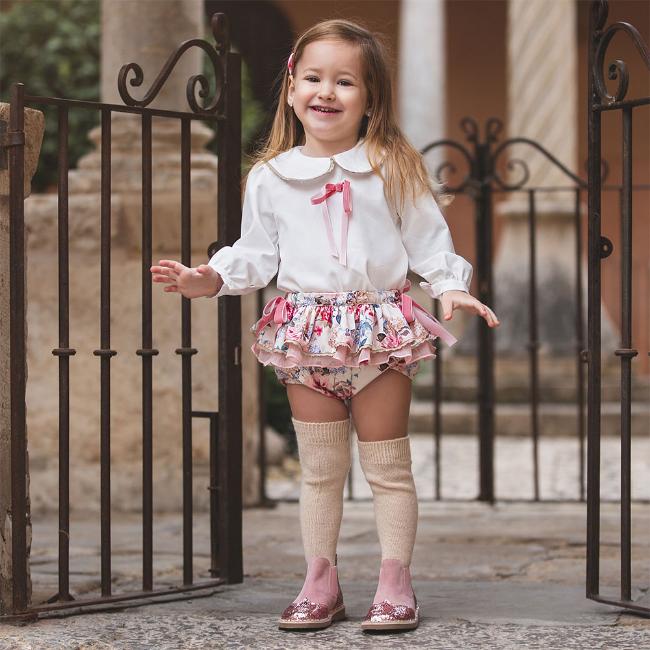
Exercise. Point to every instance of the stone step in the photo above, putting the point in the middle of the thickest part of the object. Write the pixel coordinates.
(557, 380)
(555, 419)
(463, 389)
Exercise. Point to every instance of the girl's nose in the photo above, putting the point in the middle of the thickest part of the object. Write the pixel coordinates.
(326, 91)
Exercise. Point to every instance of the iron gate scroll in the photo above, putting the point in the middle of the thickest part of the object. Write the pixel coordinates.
(599, 101)
(226, 423)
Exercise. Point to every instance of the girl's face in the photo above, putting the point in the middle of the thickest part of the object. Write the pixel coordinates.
(329, 76)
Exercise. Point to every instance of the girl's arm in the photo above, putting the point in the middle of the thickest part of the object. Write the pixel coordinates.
(249, 264)
(252, 261)
(430, 249)
(431, 254)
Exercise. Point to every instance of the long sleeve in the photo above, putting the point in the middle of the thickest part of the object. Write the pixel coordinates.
(430, 249)
(252, 261)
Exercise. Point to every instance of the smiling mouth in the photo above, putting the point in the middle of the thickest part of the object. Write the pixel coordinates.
(321, 109)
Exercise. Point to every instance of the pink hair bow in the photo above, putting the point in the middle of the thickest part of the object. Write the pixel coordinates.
(290, 63)
(329, 189)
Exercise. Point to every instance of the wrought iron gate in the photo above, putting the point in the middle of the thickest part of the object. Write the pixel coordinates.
(225, 424)
(599, 101)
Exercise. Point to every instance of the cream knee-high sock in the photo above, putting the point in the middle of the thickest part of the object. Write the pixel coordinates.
(386, 465)
(324, 450)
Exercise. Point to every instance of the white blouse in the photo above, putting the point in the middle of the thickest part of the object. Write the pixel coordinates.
(323, 225)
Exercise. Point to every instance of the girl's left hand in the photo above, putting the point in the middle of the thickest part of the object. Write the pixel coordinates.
(462, 300)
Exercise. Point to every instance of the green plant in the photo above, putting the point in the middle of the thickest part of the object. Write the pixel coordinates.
(53, 48)
(278, 410)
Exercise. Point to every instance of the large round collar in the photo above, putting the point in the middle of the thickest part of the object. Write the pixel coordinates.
(293, 165)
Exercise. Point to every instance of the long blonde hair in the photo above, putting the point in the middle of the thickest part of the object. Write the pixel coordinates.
(405, 171)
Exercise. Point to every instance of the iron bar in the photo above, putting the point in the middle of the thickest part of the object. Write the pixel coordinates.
(64, 352)
(121, 108)
(617, 106)
(122, 598)
(533, 340)
(215, 486)
(186, 351)
(626, 355)
(229, 326)
(486, 393)
(105, 353)
(437, 412)
(147, 352)
(262, 411)
(593, 319)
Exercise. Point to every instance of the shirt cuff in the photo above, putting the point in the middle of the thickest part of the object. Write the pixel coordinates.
(436, 290)
(225, 287)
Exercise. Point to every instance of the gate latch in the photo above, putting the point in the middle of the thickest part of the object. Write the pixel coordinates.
(606, 247)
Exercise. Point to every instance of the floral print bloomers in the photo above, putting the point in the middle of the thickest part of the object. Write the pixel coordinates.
(336, 343)
(340, 382)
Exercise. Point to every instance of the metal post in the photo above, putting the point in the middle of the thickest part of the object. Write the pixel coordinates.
(229, 319)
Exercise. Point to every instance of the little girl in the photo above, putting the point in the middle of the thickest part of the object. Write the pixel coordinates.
(340, 205)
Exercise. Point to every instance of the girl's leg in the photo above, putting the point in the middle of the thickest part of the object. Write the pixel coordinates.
(381, 409)
(322, 427)
(380, 412)
(309, 405)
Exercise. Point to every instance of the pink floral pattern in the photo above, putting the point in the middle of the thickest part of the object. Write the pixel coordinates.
(352, 329)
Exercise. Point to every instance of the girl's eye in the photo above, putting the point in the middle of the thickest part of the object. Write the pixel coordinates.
(343, 81)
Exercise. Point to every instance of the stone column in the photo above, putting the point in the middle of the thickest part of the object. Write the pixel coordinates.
(146, 33)
(34, 128)
(422, 71)
(542, 106)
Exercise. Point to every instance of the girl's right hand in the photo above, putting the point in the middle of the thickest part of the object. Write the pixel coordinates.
(189, 282)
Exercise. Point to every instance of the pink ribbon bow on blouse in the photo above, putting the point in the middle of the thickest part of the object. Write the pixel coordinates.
(332, 188)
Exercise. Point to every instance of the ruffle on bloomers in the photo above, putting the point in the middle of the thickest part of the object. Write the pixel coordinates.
(352, 329)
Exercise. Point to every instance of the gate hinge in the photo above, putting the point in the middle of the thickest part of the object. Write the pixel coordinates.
(8, 139)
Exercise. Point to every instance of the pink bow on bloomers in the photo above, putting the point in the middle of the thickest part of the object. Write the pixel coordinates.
(332, 188)
(278, 310)
(413, 310)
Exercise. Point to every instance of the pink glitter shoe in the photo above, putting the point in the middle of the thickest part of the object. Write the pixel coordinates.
(320, 601)
(394, 606)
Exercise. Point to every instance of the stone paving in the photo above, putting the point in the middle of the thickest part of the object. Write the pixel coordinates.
(503, 576)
